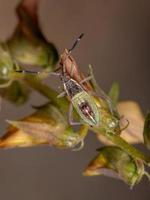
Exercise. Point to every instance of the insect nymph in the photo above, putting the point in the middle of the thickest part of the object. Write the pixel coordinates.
(80, 99)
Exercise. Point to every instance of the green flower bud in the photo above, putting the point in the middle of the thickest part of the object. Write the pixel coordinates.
(6, 66)
(45, 126)
(32, 51)
(17, 93)
(114, 162)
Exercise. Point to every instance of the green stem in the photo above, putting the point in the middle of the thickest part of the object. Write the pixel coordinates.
(51, 94)
(120, 142)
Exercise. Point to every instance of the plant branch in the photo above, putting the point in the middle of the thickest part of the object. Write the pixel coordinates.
(51, 94)
(120, 142)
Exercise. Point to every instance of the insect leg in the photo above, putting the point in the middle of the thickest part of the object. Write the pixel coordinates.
(72, 69)
(27, 71)
(86, 79)
(81, 145)
(4, 85)
(37, 72)
(70, 117)
(62, 94)
(102, 94)
(126, 125)
(112, 109)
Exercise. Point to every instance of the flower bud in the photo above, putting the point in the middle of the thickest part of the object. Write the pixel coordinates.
(114, 162)
(17, 93)
(45, 126)
(32, 51)
(6, 66)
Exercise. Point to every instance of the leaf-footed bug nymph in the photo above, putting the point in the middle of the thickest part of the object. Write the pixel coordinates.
(80, 99)
(83, 102)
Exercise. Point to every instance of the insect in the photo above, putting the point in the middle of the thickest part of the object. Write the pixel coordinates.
(82, 96)
(81, 101)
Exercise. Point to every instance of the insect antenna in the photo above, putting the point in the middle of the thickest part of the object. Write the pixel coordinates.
(27, 71)
(76, 42)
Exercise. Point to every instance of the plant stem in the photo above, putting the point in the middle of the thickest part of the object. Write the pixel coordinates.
(120, 142)
(51, 94)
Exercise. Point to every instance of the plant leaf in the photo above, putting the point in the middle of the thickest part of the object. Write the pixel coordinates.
(114, 92)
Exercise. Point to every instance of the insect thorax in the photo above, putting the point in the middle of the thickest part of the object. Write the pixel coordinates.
(72, 87)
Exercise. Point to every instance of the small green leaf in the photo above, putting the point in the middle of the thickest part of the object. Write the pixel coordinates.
(146, 132)
(114, 92)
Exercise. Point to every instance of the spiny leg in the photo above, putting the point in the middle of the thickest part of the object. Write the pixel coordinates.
(70, 116)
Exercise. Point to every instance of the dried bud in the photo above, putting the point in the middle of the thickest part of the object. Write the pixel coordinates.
(114, 162)
(46, 126)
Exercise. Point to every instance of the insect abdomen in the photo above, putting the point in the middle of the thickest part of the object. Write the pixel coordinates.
(86, 108)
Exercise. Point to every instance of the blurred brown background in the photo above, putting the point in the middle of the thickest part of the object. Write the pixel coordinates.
(117, 44)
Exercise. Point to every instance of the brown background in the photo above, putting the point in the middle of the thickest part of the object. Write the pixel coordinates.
(117, 44)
